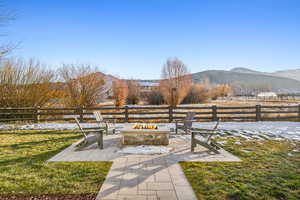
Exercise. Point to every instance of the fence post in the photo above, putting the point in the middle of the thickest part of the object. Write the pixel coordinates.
(36, 114)
(126, 114)
(258, 112)
(80, 111)
(214, 113)
(170, 114)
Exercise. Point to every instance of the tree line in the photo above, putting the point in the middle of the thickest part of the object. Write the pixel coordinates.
(28, 83)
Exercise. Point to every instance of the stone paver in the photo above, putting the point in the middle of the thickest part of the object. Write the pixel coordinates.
(147, 177)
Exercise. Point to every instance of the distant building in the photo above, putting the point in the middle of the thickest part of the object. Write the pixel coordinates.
(267, 95)
(148, 86)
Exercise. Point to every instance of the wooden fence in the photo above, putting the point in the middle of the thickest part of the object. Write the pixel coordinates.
(154, 113)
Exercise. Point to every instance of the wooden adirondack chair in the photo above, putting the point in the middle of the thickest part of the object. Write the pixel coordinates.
(91, 136)
(186, 123)
(108, 126)
(206, 134)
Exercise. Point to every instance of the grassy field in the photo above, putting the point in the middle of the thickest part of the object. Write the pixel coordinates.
(269, 170)
(23, 170)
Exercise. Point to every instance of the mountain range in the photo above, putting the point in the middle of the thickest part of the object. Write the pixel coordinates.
(293, 73)
(285, 81)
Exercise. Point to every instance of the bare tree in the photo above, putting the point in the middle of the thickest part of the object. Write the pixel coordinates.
(25, 83)
(84, 84)
(176, 81)
(5, 18)
(120, 90)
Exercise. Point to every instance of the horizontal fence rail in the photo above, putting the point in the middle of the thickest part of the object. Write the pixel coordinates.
(154, 113)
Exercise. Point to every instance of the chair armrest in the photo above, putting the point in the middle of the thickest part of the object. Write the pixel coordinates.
(179, 120)
(110, 121)
(91, 130)
(201, 130)
(185, 120)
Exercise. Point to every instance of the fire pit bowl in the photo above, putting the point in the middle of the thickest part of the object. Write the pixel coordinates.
(149, 135)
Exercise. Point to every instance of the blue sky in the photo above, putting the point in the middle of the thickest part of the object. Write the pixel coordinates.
(132, 39)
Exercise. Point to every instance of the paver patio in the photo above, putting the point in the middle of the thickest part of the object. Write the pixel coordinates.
(144, 176)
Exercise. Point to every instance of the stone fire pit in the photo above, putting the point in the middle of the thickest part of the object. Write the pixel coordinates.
(159, 136)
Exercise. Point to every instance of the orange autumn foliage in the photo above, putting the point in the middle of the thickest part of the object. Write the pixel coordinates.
(120, 90)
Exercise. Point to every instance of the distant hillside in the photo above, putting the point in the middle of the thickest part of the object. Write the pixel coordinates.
(278, 84)
(293, 73)
(245, 70)
(286, 81)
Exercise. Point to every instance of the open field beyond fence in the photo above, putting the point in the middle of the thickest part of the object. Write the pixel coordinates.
(154, 113)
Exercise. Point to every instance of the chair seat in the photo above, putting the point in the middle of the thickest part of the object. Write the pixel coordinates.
(206, 138)
(91, 135)
(88, 140)
(186, 123)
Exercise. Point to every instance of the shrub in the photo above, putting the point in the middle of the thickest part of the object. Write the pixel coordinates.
(154, 98)
(133, 92)
(25, 84)
(83, 84)
(197, 94)
(220, 91)
(120, 90)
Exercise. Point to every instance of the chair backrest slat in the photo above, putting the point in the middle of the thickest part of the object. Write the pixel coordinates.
(188, 119)
(190, 116)
(98, 116)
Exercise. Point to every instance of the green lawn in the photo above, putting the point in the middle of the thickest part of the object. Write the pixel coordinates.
(23, 170)
(269, 170)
